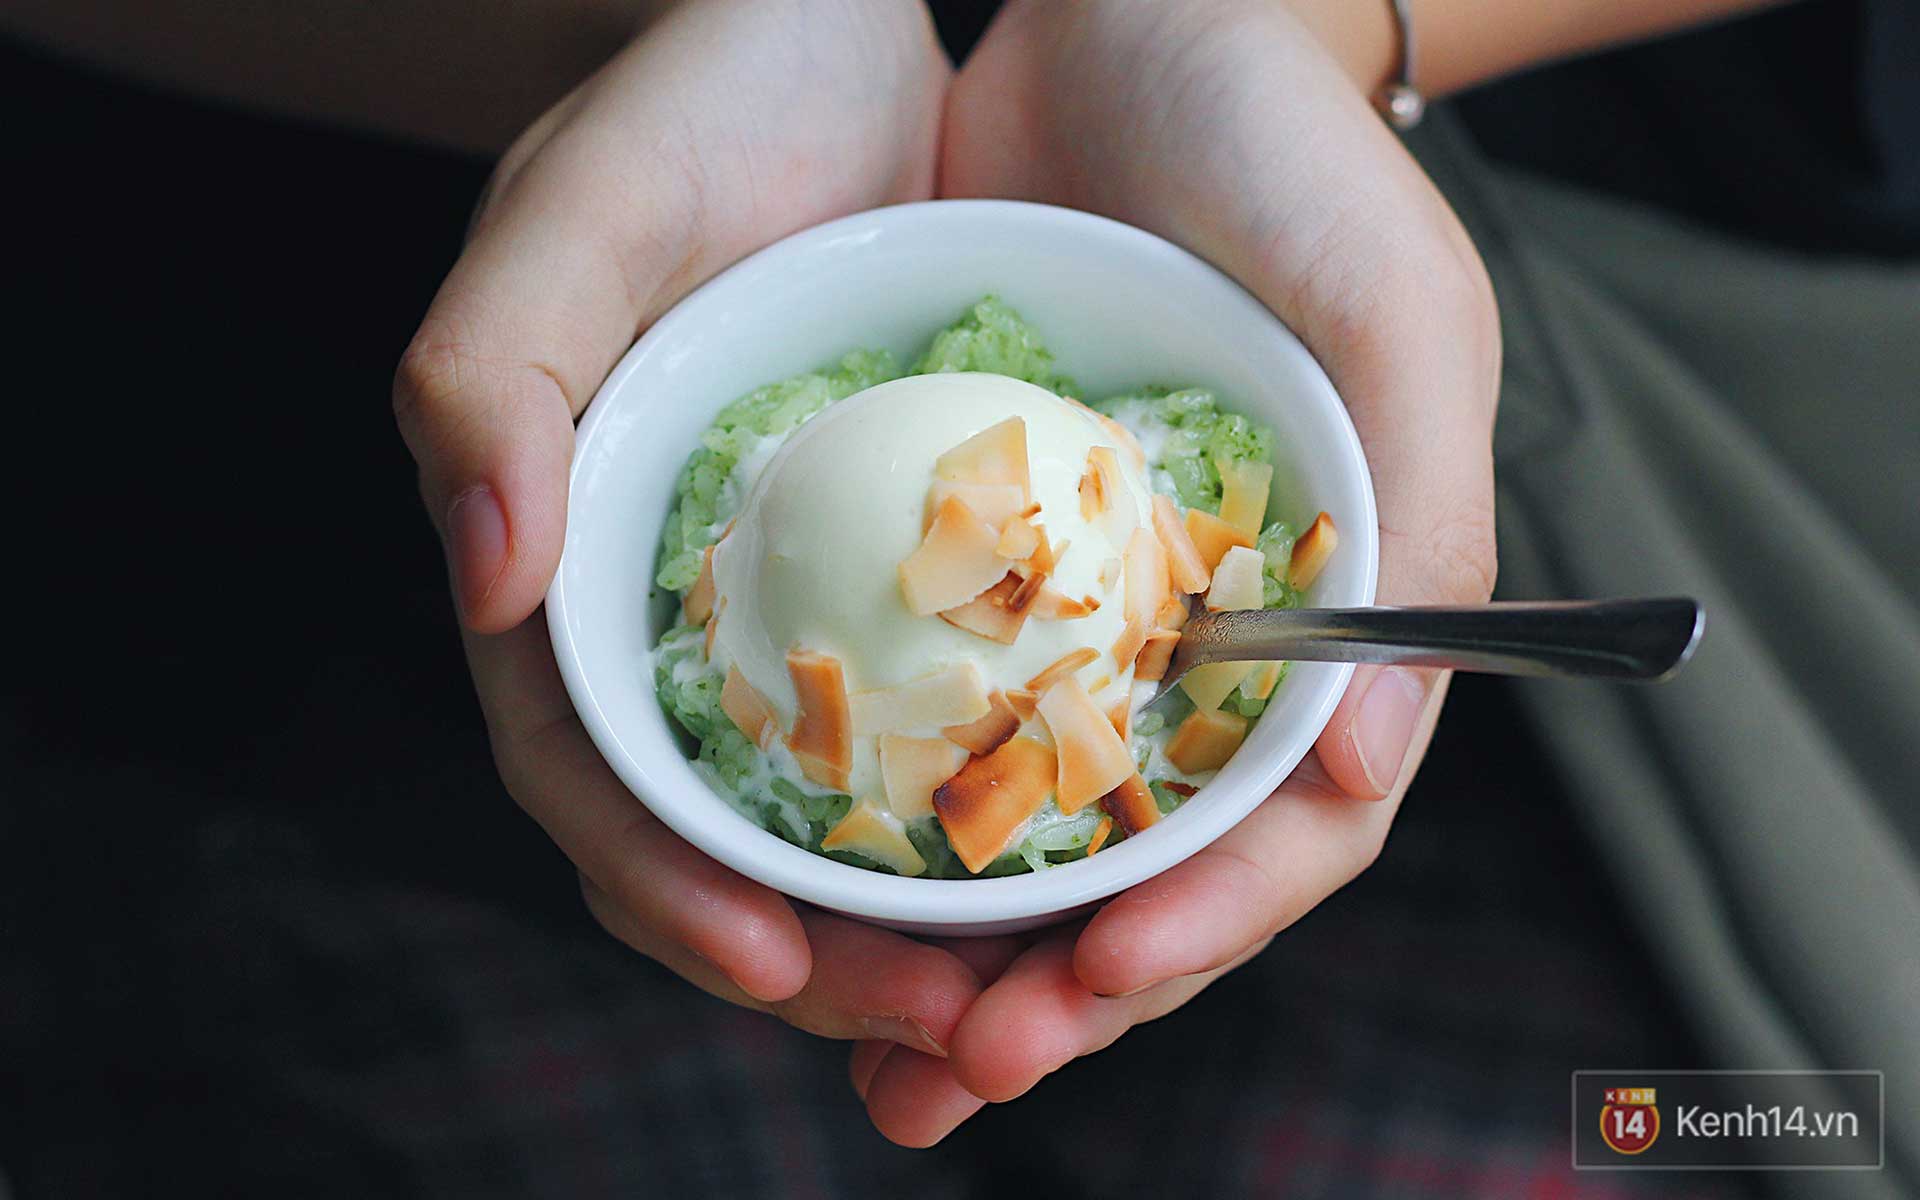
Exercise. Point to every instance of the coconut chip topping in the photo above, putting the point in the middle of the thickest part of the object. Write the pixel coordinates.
(1092, 758)
(911, 768)
(865, 831)
(1131, 805)
(990, 798)
(991, 731)
(1206, 740)
(1311, 552)
(822, 737)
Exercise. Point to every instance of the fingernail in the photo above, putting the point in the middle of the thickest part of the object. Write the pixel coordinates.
(906, 1031)
(476, 544)
(1383, 728)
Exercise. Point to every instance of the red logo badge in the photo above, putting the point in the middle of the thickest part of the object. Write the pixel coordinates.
(1629, 1122)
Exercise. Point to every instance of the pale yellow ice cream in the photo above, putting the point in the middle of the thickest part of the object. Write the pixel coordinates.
(813, 561)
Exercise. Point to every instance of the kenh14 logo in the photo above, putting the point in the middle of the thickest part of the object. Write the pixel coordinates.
(1629, 1120)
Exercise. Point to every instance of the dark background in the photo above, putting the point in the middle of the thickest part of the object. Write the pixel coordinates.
(270, 926)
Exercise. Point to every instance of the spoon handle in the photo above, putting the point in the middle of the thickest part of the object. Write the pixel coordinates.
(1606, 639)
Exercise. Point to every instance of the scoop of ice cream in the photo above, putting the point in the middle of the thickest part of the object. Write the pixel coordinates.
(865, 542)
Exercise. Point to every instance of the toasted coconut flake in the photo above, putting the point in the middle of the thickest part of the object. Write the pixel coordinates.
(991, 797)
(1183, 559)
(713, 627)
(699, 600)
(911, 768)
(1183, 789)
(822, 737)
(1206, 740)
(994, 503)
(997, 454)
(1105, 502)
(1018, 538)
(1050, 605)
(1123, 438)
(1213, 537)
(1091, 755)
(991, 731)
(954, 564)
(1121, 435)
(1148, 586)
(1210, 685)
(1120, 715)
(868, 833)
(1126, 648)
(1027, 594)
(1131, 805)
(1311, 550)
(1110, 572)
(1046, 556)
(1172, 615)
(1260, 683)
(1099, 685)
(1243, 494)
(748, 709)
(1100, 835)
(1060, 668)
(1025, 703)
(1097, 486)
(953, 695)
(1236, 583)
(989, 613)
(1044, 560)
(1155, 655)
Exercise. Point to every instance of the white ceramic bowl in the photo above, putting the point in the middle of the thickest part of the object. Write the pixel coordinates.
(1118, 307)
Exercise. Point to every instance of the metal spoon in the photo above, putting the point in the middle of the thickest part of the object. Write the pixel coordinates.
(1641, 640)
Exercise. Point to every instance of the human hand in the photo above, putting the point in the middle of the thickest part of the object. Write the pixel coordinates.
(1228, 128)
(728, 124)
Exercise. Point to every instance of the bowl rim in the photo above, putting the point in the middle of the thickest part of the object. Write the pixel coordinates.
(714, 827)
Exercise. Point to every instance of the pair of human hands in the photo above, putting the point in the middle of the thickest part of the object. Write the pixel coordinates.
(1222, 125)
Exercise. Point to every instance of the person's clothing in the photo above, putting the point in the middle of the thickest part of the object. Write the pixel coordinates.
(1683, 413)
(1798, 126)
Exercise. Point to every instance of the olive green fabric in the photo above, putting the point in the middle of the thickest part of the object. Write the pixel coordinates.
(1682, 413)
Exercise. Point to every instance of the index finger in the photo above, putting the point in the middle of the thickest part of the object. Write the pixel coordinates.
(1301, 845)
(553, 770)
(541, 303)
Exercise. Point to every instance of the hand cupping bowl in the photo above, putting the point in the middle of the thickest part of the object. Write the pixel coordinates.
(1118, 307)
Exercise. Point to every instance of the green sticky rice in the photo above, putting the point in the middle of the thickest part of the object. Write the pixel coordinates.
(1185, 433)
(991, 337)
(1192, 436)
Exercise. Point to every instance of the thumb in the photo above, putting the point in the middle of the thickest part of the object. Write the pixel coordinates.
(1381, 725)
(1421, 393)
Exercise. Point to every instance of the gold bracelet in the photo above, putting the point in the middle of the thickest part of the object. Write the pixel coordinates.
(1399, 101)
